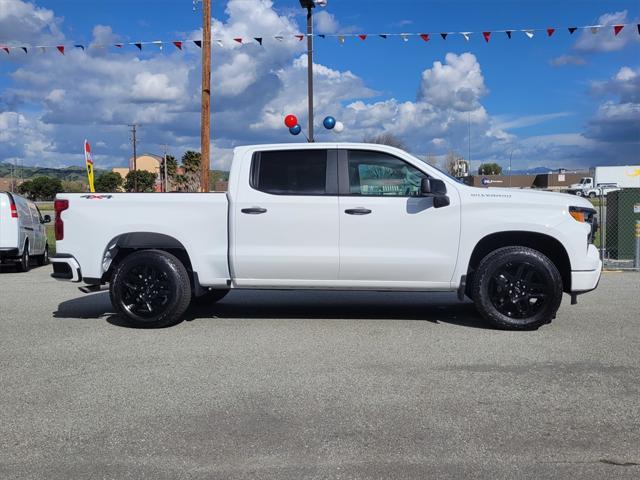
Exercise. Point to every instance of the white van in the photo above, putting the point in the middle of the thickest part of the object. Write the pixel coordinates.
(22, 232)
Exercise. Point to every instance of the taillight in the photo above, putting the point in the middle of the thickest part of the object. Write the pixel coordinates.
(14, 211)
(60, 206)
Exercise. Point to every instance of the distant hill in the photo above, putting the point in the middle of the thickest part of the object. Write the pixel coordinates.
(67, 173)
(538, 170)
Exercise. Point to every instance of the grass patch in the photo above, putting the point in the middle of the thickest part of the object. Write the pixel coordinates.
(45, 206)
(51, 239)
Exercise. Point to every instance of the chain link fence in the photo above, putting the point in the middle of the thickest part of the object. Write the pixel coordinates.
(618, 237)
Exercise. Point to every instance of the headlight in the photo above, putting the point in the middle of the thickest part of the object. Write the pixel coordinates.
(586, 215)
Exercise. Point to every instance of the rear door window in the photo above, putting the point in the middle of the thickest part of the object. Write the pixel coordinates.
(294, 172)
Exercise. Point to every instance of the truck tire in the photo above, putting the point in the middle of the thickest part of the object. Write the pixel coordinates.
(44, 258)
(517, 288)
(211, 296)
(24, 263)
(150, 289)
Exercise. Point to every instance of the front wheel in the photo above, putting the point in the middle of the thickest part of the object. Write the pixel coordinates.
(150, 289)
(517, 288)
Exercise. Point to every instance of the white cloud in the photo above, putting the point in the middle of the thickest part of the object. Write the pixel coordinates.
(325, 22)
(563, 60)
(605, 40)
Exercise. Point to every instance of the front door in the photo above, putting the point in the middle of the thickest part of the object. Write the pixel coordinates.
(285, 220)
(390, 236)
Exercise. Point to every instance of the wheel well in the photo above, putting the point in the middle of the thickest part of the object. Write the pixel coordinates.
(126, 244)
(545, 244)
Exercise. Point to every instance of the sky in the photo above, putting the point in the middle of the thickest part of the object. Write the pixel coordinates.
(560, 101)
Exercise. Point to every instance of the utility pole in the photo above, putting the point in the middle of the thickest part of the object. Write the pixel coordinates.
(165, 170)
(469, 124)
(205, 120)
(135, 156)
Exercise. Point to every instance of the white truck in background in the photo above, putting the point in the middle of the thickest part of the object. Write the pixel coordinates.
(330, 216)
(607, 179)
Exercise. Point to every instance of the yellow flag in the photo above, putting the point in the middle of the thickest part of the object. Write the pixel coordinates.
(89, 162)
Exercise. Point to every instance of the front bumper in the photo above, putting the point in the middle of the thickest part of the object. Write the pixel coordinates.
(583, 281)
(65, 267)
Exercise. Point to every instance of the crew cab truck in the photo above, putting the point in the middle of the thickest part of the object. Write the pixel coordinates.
(330, 216)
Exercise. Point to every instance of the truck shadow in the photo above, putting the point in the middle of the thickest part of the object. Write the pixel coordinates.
(275, 304)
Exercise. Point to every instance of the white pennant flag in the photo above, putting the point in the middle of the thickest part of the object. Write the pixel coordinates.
(404, 37)
(341, 39)
(595, 29)
(158, 42)
(529, 33)
(219, 42)
(466, 35)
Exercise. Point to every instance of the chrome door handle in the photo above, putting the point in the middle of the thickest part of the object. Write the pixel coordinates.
(254, 210)
(357, 211)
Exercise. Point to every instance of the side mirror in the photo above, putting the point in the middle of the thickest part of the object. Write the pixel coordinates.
(46, 219)
(432, 187)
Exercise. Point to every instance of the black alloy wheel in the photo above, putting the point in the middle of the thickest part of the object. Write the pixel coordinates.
(517, 288)
(150, 288)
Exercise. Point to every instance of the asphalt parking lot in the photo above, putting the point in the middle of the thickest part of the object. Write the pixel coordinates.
(322, 385)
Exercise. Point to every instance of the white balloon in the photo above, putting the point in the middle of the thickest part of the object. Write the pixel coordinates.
(339, 127)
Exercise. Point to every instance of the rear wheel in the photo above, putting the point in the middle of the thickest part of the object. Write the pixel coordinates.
(24, 264)
(517, 288)
(150, 289)
(44, 258)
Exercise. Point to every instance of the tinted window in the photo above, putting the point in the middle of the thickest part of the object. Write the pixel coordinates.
(291, 172)
(380, 174)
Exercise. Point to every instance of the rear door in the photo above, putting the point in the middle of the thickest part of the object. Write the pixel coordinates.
(390, 236)
(285, 219)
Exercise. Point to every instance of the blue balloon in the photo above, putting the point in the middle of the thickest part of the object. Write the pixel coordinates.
(329, 122)
(295, 130)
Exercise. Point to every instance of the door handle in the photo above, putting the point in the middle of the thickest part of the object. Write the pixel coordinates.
(357, 211)
(254, 210)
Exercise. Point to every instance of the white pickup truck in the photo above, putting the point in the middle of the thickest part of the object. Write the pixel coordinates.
(330, 216)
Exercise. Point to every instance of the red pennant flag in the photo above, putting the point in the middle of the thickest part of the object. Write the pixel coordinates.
(239, 40)
(550, 31)
(424, 36)
(60, 49)
(299, 37)
(178, 45)
(363, 36)
(487, 36)
(617, 29)
(6, 49)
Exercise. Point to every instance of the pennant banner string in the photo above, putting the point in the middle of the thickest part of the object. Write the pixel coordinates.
(8, 46)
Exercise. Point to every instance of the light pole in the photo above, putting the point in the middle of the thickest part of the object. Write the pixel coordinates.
(310, 5)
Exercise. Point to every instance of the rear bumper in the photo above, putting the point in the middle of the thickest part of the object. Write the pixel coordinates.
(9, 253)
(65, 267)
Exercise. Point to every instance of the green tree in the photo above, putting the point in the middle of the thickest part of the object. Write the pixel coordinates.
(146, 181)
(73, 186)
(41, 188)
(109, 182)
(189, 181)
(489, 169)
(386, 138)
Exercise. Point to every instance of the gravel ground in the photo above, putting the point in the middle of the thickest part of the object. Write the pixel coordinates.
(296, 385)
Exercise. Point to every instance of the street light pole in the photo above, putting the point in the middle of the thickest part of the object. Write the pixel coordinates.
(310, 70)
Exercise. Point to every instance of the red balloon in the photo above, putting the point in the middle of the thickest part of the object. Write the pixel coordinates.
(290, 121)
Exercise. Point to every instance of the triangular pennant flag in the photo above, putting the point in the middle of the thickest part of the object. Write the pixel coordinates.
(79, 46)
(322, 35)
(424, 36)
(617, 29)
(60, 49)
(238, 39)
(6, 49)
(279, 38)
(198, 43)
(550, 31)
(595, 29)
(363, 36)
(508, 32)
(572, 29)
(487, 36)
(444, 35)
(383, 35)
(529, 33)
(118, 45)
(219, 43)
(258, 39)
(159, 43)
(466, 35)
(299, 37)
(341, 39)
(139, 45)
(404, 37)
(25, 49)
(42, 49)
(178, 44)
(638, 25)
